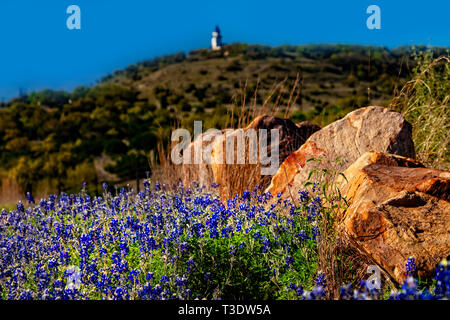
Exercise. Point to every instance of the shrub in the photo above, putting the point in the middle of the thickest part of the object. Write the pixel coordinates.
(115, 146)
(130, 166)
(144, 141)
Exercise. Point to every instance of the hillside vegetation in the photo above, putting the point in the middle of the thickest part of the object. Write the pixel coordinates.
(52, 141)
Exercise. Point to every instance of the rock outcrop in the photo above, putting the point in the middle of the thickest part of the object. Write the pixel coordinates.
(397, 209)
(341, 143)
(234, 178)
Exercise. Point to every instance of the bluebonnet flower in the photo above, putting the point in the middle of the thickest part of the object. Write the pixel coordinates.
(317, 293)
(227, 231)
(26, 295)
(149, 276)
(297, 288)
(213, 233)
(302, 236)
(20, 207)
(238, 225)
(243, 206)
(320, 280)
(52, 264)
(184, 247)
(266, 245)
(121, 294)
(246, 195)
(231, 204)
(257, 235)
(410, 267)
(30, 198)
(313, 208)
(134, 279)
(442, 278)
(190, 264)
(289, 262)
(251, 214)
(315, 187)
(315, 232)
(215, 185)
(363, 293)
(304, 196)
(164, 279)
(409, 291)
(181, 281)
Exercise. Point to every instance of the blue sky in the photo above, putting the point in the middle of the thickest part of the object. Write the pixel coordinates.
(38, 51)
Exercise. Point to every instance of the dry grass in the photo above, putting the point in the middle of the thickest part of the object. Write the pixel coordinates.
(166, 171)
(423, 101)
(245, 107)
(10, 193)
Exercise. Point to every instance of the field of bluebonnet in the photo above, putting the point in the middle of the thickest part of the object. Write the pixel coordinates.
(176, 243)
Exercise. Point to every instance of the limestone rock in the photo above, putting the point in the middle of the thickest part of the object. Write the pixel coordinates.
(397, 210)
(200, 172)
(341, 143)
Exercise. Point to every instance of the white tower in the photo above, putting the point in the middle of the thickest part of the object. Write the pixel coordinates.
(216, 40)
(214, 45)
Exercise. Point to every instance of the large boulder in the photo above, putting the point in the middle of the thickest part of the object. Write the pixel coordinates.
(341, 143)
(396, 210)
(234, 178)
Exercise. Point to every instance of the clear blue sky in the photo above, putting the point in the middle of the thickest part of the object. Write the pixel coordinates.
(38, 51)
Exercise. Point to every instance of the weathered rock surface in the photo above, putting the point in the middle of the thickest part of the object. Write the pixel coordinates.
(396, 210)
(366, 129)
(200, 172)
(235, 178)
(379, 158)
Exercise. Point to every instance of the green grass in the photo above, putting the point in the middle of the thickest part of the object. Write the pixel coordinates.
(7, 207)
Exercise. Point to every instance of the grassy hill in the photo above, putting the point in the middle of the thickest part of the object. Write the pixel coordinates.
(52, 141)
(329, 76)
